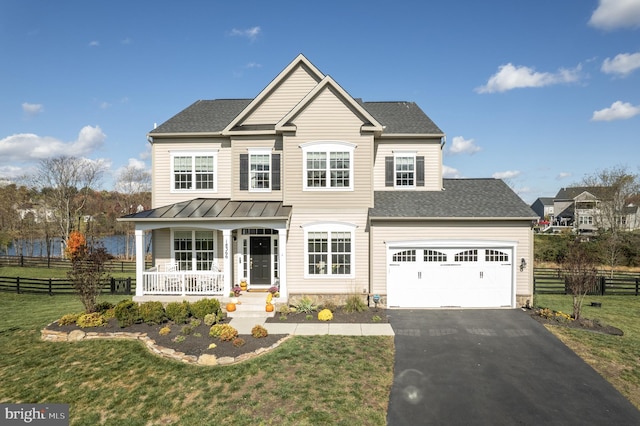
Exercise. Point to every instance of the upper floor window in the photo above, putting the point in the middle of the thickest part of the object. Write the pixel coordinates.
(404, 170)
(194, 171)
(328, 165)
(259, 171)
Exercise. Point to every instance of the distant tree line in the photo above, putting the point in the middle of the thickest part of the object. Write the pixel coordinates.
(63, 196)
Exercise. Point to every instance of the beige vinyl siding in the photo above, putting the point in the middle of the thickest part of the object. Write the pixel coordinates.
(161, 247)
(382, 232)
(284, 97)
(430, 149)
(327, 118)
(296, 252)
(242, 146)
(162, 193)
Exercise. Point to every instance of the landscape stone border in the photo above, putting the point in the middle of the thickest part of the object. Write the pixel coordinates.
(49, 335)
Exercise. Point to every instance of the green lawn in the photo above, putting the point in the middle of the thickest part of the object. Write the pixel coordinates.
(45, 273)
(615, 358)
(306, 381)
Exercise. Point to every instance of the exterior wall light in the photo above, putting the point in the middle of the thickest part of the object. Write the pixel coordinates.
(523, 264)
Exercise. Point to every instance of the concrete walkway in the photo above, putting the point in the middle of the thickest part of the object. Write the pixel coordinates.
(244, 326)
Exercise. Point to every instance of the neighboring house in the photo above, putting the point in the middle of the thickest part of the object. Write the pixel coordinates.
(543, 207)
(577, 208)
(322, 194)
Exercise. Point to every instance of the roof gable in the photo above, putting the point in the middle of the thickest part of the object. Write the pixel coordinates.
(327, 83)
(282, 94)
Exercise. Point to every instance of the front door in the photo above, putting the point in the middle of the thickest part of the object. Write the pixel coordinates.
(260, 261)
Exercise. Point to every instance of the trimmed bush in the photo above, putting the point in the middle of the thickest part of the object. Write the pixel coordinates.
(68, 319)
(94, 319)
(127, 313)
(224, 332)
(238, 341)
(204, 307)
(103, 307)
(210, 319)
(164, 331)
(325, 315)
(152, 313)
(178, 312)
(259, 331)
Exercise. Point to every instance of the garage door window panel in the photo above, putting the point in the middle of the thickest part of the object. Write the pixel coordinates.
(434, 256)
(467, 256)
(496, 256)
(405, 256)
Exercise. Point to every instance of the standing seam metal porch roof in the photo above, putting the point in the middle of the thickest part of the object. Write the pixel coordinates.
(214, 209)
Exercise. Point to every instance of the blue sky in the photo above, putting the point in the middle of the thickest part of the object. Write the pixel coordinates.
(538, 93)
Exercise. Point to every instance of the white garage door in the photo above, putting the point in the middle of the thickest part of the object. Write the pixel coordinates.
(450, 277)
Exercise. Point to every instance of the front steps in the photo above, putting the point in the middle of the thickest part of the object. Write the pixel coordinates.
(250, 305)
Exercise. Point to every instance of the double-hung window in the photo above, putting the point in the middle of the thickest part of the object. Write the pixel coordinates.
(259, 170)
(194, 171)
(194, 250)
(329, 251)
(328, 165)
(405, 170)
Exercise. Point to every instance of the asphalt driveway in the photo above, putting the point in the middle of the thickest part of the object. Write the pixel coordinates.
(498, 367)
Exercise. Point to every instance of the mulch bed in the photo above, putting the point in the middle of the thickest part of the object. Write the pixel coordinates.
(581, 324)
(197, 341)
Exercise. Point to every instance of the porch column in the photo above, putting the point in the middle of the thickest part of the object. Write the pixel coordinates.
(139, 262)
(228, 273)
(282, 245)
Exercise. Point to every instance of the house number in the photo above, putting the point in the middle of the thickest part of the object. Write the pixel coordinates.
(226, 250)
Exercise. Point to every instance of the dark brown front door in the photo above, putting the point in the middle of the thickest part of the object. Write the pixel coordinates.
(260, 253)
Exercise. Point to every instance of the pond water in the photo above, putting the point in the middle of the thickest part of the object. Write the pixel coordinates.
(114, 244)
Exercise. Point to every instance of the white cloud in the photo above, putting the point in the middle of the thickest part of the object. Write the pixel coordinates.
(509, 174)
(25, 147)
(94, 43)
(450, 172)
(617, 111)
(563, 175)
(622, 64)
(253, 65)
(511, 77)
(612, 14)
(250, 33)
(460, 145)
(32, 109)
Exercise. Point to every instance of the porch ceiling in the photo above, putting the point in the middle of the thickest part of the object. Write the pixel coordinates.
(213, 209)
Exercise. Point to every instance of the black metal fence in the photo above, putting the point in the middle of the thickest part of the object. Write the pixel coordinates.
(57, 262)
(551, 281)
(53, 286)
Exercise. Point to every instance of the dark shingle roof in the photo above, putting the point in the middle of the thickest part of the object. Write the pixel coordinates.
(402, 117)
(208, 116)
(461, 198)
(572, 192)
(212, 116)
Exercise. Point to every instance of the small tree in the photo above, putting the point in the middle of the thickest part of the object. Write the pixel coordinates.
(88, 271)
(580, 273)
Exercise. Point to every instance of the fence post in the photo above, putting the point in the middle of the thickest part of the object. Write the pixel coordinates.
(603, 284)
(129, 286)
(113, 285)
(50, 289)
(21, 260)
(18, 285)
(637, 285)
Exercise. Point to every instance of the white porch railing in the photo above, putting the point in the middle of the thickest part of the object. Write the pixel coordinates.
(182, 282)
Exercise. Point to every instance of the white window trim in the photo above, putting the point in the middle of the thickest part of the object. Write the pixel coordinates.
(193, 154)
(327, 147)
(329, 228)
(397, 154)
(193, 250)
(260, 151)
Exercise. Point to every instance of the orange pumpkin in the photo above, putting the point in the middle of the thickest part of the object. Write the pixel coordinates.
(231, 307)
(269, 307)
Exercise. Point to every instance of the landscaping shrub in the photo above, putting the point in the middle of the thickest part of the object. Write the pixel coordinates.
(178, 312)
(152, 313)
(325, 315)
(164, 331)
(204, 307)
(238, 341)
(102, 307)
(94, 319)
(306, 305)
(210, 319)
(127, 313)
(355, 303)
(223, 332)
(329, 304)
(259, 331)
(68, 319)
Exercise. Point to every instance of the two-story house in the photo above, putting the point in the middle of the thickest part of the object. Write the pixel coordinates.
(309, 189)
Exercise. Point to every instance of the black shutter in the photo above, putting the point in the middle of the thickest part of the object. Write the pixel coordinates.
(275, 172)
(244, 172)
(419, 171)
(388, 171)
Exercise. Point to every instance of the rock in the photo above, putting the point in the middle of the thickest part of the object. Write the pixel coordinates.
(207, 359)
(76, 335)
